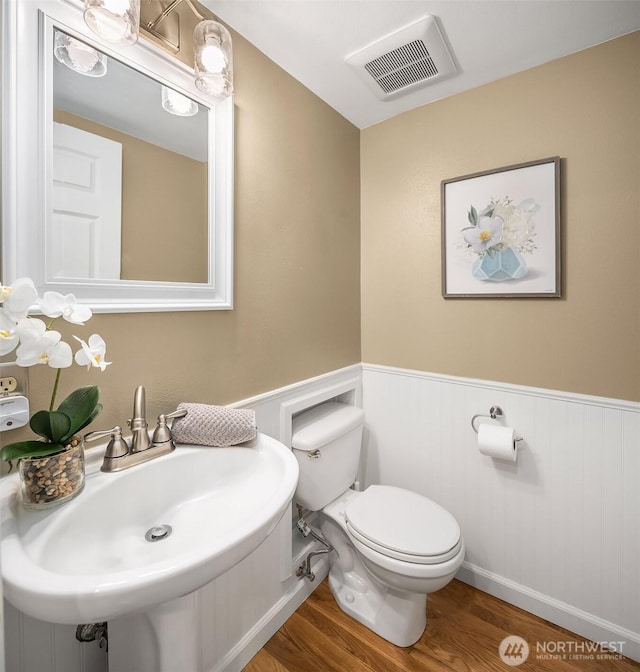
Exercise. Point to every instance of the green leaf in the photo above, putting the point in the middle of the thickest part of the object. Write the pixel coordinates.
(96, 412)
(473, 216)
(15, 451)
(80, 406)
(52, 425)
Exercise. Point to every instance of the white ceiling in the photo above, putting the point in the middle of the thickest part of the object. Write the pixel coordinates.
(489, 39)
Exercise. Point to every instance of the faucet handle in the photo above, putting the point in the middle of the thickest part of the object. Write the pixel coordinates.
(162, 433)
(117, 447)
(178, 413)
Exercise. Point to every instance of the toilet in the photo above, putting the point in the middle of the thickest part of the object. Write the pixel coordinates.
(391, 546)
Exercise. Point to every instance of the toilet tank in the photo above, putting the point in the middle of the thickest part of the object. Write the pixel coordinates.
(326, 441)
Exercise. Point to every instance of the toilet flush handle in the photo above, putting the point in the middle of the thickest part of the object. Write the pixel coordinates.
(314, 454)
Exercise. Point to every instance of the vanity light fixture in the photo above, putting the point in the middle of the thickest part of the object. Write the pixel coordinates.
(178, 104)
(78, 56)
(115, 21)
(213, 59)
(118, 21)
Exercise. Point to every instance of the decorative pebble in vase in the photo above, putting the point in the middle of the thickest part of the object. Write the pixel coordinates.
(53, 479)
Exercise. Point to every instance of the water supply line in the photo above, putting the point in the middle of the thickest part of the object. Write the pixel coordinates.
(94, 632)
(306, 531)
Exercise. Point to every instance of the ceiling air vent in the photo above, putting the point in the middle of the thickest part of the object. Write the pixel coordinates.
(408, 59)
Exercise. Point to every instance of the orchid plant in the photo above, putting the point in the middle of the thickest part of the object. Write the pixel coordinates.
(35, 342)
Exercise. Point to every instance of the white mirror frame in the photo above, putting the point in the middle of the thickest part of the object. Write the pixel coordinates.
(26, 141)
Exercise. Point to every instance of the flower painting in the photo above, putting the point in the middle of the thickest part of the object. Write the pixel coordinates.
(500, 232)
(498, 235)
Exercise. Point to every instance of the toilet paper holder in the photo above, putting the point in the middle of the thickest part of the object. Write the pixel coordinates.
(495, 412)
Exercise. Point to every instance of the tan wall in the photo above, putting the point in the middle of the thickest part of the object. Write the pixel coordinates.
(297, 275)
(584, 108)
(164, 208)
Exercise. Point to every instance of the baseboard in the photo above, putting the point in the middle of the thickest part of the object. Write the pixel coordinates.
(557, 612)
(240, 655)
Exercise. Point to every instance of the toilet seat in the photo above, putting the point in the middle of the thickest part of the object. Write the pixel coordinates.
(403, 525)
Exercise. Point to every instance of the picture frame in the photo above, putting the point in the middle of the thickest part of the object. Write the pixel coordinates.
(501, 232)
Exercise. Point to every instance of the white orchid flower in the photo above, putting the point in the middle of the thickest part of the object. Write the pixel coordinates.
(46, 348)
(30, 328)
(18, 297)
(8, 335)
(67, 307)
(92, 353)
(487, 234)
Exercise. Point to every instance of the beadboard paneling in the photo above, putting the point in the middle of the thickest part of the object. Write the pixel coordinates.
(31, 645)
(558, 531)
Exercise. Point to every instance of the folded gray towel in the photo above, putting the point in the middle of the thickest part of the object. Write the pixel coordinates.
(207, 425)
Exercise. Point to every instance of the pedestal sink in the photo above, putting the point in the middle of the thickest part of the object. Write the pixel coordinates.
(137, 540)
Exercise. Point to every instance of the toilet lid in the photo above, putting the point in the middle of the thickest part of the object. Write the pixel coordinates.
(403, 524)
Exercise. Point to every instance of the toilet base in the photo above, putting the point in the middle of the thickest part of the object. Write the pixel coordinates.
(400, 618)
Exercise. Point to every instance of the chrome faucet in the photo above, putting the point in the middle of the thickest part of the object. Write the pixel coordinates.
(119, 455)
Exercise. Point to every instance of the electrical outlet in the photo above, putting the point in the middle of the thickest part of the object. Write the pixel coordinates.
(13, 379)
(8, 384)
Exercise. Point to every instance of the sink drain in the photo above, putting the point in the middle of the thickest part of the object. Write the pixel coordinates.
(158, 532)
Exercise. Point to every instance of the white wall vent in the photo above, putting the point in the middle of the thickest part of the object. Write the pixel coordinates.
(408, 59)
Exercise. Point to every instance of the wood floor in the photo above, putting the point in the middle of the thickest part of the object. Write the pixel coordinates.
(464, 630)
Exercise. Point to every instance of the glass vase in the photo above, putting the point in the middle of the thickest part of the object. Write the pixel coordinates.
(53, 479)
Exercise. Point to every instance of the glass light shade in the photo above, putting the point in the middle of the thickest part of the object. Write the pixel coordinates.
(115, 21)
(176, 103)
(213, 59)
(78, 56)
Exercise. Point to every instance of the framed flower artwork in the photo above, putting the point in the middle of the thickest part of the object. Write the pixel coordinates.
(501, 232)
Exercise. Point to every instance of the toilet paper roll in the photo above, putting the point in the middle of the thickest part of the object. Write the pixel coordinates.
(497, 441)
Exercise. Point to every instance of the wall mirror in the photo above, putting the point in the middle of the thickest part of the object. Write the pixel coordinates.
(111, 195)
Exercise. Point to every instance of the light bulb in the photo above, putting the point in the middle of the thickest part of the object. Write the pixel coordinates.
(178, 104)
(115, 21)
(213, 58)
(82, 56)
(79, 56)
(117, 6)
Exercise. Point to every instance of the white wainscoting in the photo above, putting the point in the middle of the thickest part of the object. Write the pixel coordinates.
(557, 533)
(240, 610)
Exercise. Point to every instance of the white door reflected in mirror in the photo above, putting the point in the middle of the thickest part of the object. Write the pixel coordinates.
(87, 205)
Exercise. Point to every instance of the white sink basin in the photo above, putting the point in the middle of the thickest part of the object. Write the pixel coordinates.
(88, 560)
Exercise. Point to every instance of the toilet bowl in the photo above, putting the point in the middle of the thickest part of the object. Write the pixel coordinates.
(372, 577)
(391, 546)
(405, 539)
